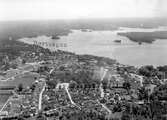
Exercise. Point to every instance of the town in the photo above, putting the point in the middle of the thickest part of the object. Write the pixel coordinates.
(39, 84)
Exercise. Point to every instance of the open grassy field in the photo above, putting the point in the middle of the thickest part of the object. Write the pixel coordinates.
(27, 79)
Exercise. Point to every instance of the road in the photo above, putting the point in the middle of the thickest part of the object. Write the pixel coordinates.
(40, 97)
(104, 71)
(50, 72)
(105, 107)
(69, 95)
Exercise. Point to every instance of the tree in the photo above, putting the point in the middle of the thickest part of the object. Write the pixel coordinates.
(105, 83)
(127, 86)
(143, 94)
(155, 109)
(125, 117)
(32, 87)
(40, 116)
(20, 118)
(51, 84)
(117, 108)
(162, 68)
(62, 68)
(72, 85)
(148, 71)
(23, 61)
(20, 87)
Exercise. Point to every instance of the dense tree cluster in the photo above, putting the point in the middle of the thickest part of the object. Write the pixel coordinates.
(150, 71)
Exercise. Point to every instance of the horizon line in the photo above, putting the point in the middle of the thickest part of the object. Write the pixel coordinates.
(71, 19)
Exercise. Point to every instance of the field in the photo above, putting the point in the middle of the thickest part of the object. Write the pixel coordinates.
(3, 99)
(27, 79)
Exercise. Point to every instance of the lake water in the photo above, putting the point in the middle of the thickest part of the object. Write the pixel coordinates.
(101, 43)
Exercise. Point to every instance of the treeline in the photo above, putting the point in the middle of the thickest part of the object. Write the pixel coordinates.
(20, 29)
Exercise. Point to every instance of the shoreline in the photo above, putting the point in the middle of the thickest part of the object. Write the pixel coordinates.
(97, 46)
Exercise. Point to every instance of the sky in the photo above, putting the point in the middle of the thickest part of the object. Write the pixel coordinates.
(78, 9)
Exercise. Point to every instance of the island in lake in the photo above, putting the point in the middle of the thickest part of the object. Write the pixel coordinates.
(117, 41)
(55, 37)
(147, 37)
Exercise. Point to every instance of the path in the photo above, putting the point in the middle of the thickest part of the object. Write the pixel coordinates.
(5, 104)
(40, 97)
(69, 95)
(105, 107)
(104, 71)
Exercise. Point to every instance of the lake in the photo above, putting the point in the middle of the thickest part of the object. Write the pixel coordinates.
(101, 43)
